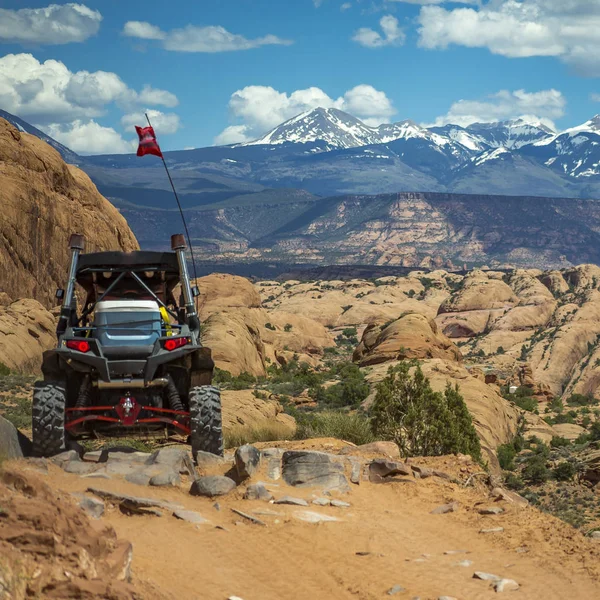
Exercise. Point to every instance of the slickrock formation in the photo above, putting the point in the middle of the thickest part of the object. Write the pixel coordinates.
(43, 201)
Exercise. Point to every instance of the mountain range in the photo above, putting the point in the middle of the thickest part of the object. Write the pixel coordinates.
(326, 188)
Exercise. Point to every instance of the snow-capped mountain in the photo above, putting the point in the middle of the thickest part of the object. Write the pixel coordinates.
(341, 130)
(330, 125)
(510, 134)
(463, 136)
(68, 155)
(574, 152)
(333, 129)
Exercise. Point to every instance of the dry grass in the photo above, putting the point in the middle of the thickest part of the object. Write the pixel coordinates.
(350, 427)
(239, 435)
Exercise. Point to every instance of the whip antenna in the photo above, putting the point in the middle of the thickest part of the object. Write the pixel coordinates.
(187, 233)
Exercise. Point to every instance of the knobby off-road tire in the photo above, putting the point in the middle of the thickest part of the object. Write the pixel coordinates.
(48, 418)
(205, 420)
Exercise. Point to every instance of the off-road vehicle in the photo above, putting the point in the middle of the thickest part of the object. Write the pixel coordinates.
(131, 361)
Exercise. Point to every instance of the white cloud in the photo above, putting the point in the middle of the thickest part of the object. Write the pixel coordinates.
(54, 24)
(595, 97)
(163, 123)
(49, 92)
(212, 38)
(567, 29)
(546, 106)
(345, 6)
(234, 134)
(392, 34)
(261, 108)
(143, 30)
(150, 95)
(90, 138)
(429, 2)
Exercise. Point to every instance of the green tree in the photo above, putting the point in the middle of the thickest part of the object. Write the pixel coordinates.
(422, 422)
(565, 471)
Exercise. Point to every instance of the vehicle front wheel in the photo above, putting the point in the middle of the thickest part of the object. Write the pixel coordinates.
(48, 418)
(205, 420)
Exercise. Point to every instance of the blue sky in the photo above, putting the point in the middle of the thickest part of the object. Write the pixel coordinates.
(228, 70)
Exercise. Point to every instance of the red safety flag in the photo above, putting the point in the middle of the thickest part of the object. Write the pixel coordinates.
(148, 143)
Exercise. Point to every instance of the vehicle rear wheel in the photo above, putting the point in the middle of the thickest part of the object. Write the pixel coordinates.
(48, 418)
(205, 420)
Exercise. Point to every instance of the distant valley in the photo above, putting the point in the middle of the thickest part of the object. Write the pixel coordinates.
(324, 188)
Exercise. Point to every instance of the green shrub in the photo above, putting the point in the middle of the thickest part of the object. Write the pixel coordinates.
(500, 350)
(595, 432)
(287, 327)
(506, 456)
(422, 422)
(564, 471)
(226, 380)
(580, 400)
(556, 405)
(559, 442)
(526, 403)
(350, 332)
(536, 471)
(349, 392)
(351, 427)
(4, 370)
(513, 482)
(270, 326)
(563, 418)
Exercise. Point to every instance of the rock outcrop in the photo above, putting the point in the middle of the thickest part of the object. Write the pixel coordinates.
(26, 330)
(43, 201)
(50, 549)
(410, 336)
(244, 337)
(242, 409)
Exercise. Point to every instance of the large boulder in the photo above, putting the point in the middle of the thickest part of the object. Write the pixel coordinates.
(43, 201)
(313, 469)
(10, 446)
(410, 336)
(27, 329)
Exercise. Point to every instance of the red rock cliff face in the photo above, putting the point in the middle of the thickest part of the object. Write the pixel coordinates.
(42, 201)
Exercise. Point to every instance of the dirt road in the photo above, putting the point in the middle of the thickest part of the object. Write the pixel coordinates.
(405, 545)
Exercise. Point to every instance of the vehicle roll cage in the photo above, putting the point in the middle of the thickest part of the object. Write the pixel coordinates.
(146, 270)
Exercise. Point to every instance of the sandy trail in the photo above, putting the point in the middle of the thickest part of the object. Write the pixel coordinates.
(293, 560)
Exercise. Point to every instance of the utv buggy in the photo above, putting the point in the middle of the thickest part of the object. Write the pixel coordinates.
(132, 362)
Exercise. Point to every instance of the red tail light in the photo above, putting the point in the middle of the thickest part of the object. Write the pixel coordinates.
(79, 345)
(174, 343)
